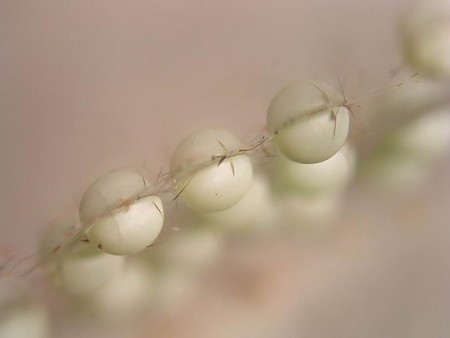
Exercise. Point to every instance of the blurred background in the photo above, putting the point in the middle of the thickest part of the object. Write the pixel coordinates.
(90, 86)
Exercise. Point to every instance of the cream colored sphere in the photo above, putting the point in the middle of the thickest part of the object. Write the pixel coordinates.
(427, 137)
(120, 219)
(426, 38)
(84, 268)
(21, 313)
(109, 191)
(309, 121)
(192, 248)
(203, 183)
(128, 294)
(329, 176)
(130, 229)
(252, 214)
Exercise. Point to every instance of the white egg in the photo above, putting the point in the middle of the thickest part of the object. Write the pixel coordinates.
(427, 137)
(253, 213)
(123, 217)
(192, 248)
(130, 229)
(309, 121)
(206, 180)
(329, 176)
(125, 296)
(21, 315)
(426, 38)
(83, 268)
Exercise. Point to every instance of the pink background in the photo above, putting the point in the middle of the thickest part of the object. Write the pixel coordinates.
(89, 86)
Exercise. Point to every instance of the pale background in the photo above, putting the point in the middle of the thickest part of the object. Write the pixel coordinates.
(89, 86)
